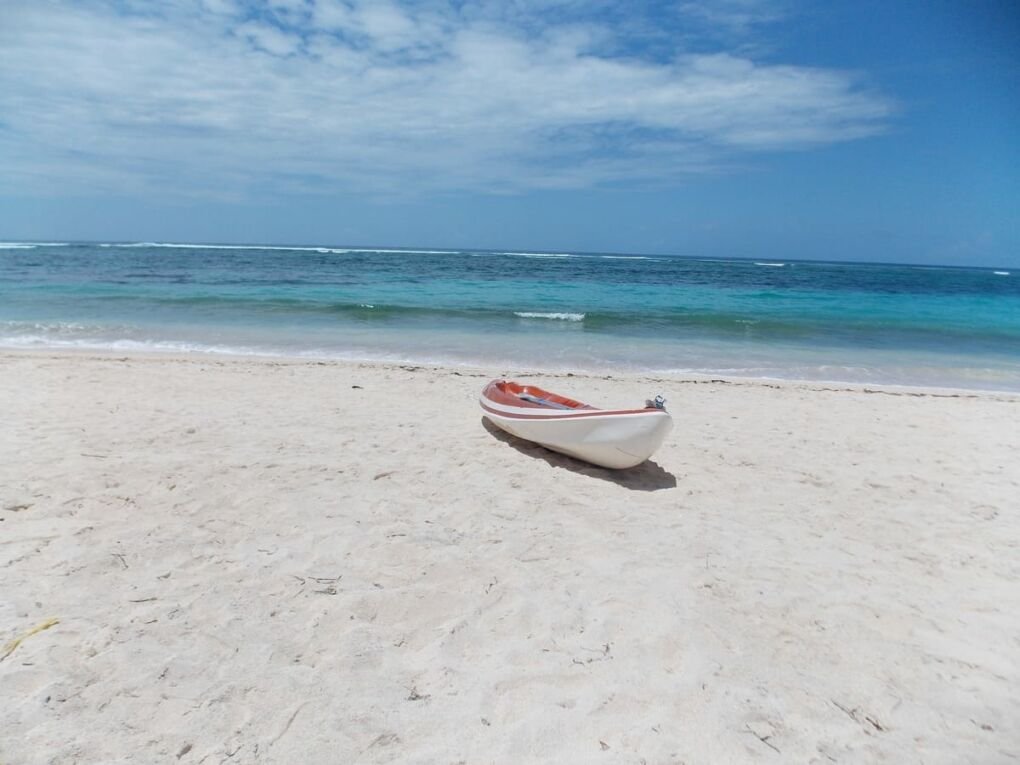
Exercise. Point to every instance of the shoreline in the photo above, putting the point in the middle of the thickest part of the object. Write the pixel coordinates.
(304, 561)
(509, 372)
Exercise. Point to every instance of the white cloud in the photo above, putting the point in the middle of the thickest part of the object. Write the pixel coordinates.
(332, 15)
(269, 38)
(734, 16)
(381, 97)
(388, 26)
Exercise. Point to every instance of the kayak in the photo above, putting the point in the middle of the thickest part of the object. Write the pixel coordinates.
(612, 438)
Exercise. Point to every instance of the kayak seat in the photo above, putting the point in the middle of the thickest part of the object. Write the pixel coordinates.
(542, 401)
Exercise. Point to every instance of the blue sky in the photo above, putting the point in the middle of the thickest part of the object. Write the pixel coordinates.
(749, 128)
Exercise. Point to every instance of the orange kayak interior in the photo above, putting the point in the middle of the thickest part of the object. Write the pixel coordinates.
(529, 396)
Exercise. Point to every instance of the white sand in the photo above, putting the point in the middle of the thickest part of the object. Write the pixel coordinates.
(255, 561)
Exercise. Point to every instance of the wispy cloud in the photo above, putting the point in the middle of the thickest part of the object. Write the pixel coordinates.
(227, 98)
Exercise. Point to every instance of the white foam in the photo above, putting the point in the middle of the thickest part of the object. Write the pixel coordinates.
(43, 326)
(39, 342)
(1001, 273)
(29, 245)
(627, 257)
(770, 265)
(560, 316)
(576, 255)
(182, 246)
(285, 248)
(539, 254)
(48, 341)
(410, 252)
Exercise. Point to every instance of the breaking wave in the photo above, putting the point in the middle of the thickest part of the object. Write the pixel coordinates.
(274, 247)
(540, 315)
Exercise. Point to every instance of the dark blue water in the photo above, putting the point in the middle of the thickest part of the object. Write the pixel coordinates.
(794, 319)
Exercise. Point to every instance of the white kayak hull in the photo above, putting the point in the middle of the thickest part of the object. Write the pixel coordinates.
(614, 439)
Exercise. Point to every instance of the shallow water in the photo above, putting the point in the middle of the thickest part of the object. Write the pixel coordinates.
(583, 311)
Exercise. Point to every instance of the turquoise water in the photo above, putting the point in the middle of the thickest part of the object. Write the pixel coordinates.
(578, 311)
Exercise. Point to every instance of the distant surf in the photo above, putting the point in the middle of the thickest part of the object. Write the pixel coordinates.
(538, 254)
(553, 315)
(186, 246)
(270, 247)
(29, 245)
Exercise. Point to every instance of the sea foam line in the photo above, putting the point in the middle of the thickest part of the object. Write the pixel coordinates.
(285, 248)
(539, 254)
(540, 315)
(627, 257)
(30, 245)
(35, 342)
(565, 255)
(410, 252)
(182, 246)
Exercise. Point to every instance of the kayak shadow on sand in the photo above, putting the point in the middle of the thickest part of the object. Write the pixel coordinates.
(648, 476)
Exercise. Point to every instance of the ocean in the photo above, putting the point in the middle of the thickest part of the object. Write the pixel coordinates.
(555, 311)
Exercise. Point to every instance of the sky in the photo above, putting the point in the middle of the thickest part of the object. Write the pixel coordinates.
(858, 130)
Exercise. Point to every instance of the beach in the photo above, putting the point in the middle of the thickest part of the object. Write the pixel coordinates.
(301, 561)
